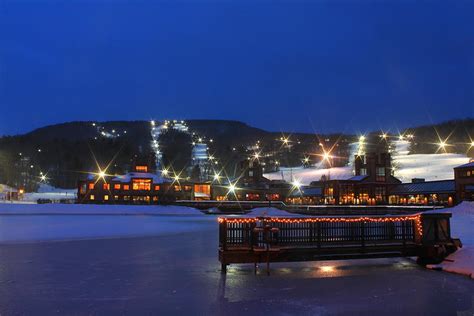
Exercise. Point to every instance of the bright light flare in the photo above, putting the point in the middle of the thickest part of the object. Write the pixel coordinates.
(296, 184)
(231, 188)
(164, 172)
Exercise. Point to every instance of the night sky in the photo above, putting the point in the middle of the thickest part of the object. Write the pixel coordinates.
(283, 66)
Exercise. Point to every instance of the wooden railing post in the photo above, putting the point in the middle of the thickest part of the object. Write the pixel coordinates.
(362, 237)
(318, 229)
(223, 234)
(404, 235)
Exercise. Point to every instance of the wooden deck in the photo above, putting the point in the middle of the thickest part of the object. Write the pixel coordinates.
(273, 239)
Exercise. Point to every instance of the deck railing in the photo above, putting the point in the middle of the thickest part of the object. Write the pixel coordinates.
(253, 232)
(271, 239)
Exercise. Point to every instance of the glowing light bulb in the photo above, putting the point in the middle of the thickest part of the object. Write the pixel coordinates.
(231, 188)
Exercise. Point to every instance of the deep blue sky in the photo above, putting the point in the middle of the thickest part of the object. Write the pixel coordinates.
(293, 65)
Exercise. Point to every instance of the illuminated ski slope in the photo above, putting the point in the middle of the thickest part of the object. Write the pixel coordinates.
(428, 166)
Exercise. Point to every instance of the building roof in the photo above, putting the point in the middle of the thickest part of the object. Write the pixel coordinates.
(307, 191)
(466, 165)
(445, 186)
(358, 178)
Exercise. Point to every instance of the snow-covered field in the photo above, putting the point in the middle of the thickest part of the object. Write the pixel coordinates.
(462, 226)
(428, 166)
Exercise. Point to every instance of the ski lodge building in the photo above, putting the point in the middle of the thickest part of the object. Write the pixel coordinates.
(373, 183)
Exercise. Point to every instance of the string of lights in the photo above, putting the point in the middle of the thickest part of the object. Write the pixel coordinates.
(284, 220)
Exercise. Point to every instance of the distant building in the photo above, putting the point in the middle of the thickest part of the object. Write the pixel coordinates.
(137, 187)
(251, 185)
(370, 185)
(464, 182)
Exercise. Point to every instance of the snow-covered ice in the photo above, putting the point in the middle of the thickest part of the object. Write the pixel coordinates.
(462, 226)
(94, 209)
(37, 222)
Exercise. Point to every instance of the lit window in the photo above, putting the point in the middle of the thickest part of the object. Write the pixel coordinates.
(106, 197)
(157, 188)
(187, 188)
(141, 168)
(106, 186)
(202, 188)
(116, 197)
(92, 197)
(177, 188)
(117, 186)
(126, 187)
(141, 184)
(91, 186)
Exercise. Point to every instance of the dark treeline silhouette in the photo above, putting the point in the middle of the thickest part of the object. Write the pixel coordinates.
(65, 152)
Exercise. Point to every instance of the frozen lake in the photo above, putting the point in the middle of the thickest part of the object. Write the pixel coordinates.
(179, 274)
(21, 228)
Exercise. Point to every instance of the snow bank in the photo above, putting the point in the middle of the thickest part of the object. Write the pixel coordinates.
(79, 209)
(462, 226)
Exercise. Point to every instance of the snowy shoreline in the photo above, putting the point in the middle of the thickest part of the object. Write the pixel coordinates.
(462, 226)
